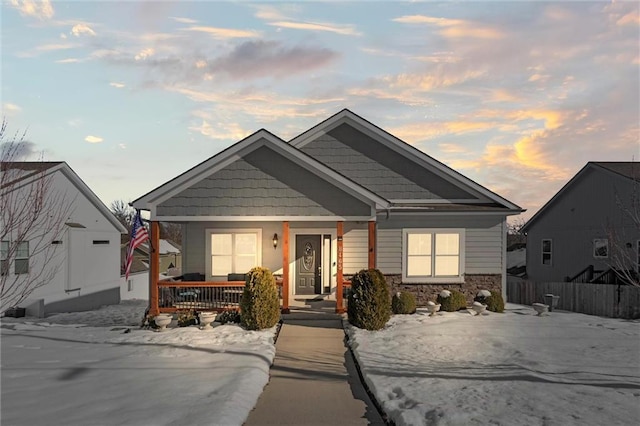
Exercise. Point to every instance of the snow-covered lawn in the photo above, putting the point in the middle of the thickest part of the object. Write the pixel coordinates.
(83, 369)
(509, 369)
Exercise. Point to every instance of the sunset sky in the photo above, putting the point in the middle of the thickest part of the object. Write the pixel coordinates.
(517, 95)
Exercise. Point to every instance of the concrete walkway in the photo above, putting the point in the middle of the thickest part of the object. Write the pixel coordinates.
(313, 379)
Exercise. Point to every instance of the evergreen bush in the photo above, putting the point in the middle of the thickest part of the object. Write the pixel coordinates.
(454, 302)
(495, 302)
(368, 305)
(259, 306)
(403, 302)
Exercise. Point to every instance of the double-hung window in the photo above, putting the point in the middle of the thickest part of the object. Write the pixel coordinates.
(432, 255)
(4, 257)
(233, 251)
(21, 263)
(547, 251)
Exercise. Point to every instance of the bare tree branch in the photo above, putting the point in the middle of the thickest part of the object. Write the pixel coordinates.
(32, 217)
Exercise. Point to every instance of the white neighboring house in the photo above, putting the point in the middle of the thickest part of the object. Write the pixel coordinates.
(83, 270)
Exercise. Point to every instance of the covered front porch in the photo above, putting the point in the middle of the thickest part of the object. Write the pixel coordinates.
(311, 266)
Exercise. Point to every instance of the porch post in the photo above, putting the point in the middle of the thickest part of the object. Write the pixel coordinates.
(372, 244)
(339, 277)
(285, 267)
(154, 268)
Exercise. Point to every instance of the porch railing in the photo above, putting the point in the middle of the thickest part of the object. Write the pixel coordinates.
(202, 295)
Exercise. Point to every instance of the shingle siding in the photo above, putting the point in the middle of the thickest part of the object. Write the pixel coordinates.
(378, 168)
(264, 183)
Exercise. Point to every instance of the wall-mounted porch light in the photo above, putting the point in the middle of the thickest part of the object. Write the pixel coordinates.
(275, 240)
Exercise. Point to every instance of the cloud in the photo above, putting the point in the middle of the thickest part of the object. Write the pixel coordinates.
(41, 9)
(68, 61)
(223, 33)
(453, 28)
(54, 46)
(93, 139)
(117, 85)
(10, 109)
(80, 29)
(122, 146)
(144, 54)
(317, 26)
(184, 20)
(19, 150)
(256, 59)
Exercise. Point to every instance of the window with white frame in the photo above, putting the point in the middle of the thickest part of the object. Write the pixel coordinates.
(234, 252)
(547, 251)
(432, 254)
(600, 248)
(4, 257)
(21, 263)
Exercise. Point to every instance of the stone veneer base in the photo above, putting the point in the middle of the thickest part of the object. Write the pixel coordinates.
(473, 283)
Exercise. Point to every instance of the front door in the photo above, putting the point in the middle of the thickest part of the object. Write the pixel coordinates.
(308, 261)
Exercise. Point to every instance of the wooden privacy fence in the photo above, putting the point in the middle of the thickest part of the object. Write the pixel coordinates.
(607, 300)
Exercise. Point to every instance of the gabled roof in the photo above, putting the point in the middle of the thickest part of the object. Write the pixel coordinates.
(29, 172)
(235, 152)
(625, 170)
(410, 152)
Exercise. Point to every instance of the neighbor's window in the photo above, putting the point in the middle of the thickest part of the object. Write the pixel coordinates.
(22, 258)
(546, 252)
(600, 248)
(4, 257)
(100, 242)
(235, 252)
(432, 254)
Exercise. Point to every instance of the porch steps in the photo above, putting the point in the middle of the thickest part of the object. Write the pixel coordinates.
(313, 378)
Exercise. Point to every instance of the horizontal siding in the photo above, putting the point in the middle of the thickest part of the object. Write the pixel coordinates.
(354, 251)
(389, 253)
(483, 250)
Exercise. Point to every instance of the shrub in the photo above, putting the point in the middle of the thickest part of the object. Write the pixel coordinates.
(188, 317)
(403, 302)
(494, 302)
(259, 307)
(229, 317)
(368, 305)
(454, 302)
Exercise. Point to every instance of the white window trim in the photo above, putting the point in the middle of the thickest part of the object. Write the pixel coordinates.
(593, 248)
(212, 231)
(27, 258)
(542, 252)
(431, 279)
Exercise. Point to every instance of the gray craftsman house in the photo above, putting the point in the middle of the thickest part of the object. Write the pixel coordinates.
(342, 196)
(589, 229)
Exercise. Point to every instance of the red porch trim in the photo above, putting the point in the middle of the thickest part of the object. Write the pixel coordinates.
(285, 267)
(372, 244)
(339, 276)
(154, 268)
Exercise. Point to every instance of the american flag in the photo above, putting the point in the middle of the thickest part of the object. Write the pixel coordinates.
(138, 236)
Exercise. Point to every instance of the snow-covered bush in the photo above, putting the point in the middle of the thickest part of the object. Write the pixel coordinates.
(454, 302)
(494, 301)
(368, 303)
(260, 307)
(403, 302)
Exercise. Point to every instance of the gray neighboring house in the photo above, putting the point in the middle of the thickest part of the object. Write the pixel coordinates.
(587, 226)
(342, 196)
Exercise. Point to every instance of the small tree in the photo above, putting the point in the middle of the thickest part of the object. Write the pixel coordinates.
(624, 254)
(33, 214)
(125, 214)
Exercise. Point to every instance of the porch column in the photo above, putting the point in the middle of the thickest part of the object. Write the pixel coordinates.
(372, 244)
(154, 268)
(285, 267)
(339, 277)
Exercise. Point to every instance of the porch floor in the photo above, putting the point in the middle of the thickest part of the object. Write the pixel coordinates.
(313, 379)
